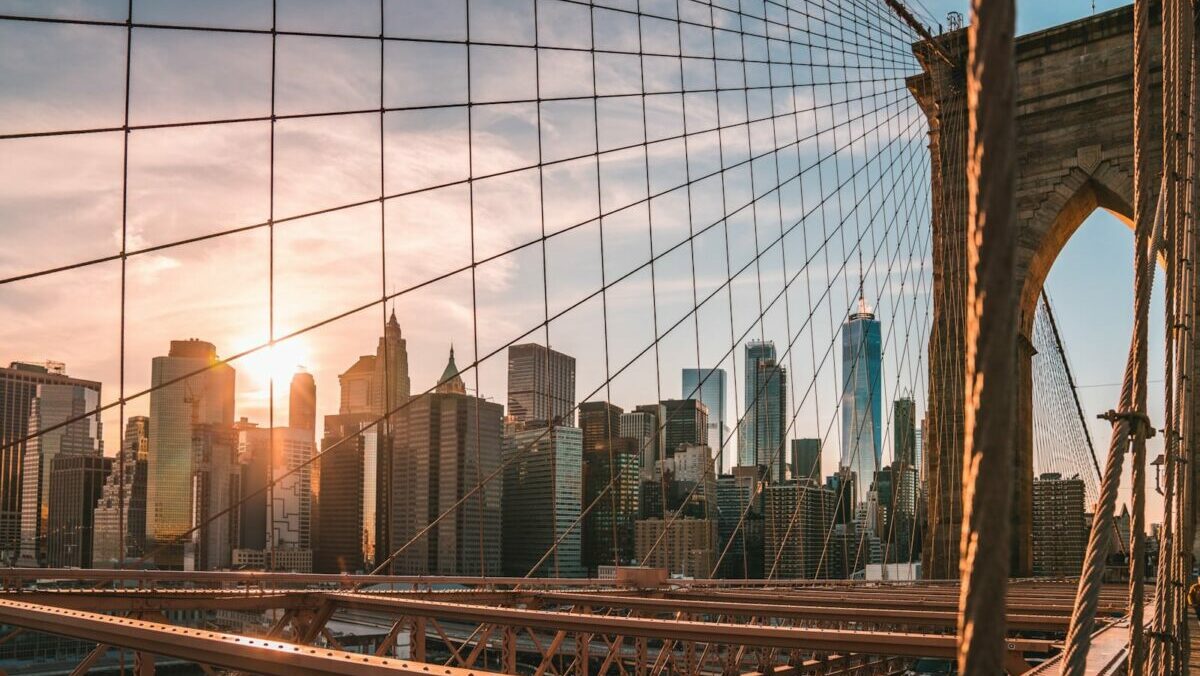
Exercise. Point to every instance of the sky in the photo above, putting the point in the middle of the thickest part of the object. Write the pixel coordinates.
(844, 202)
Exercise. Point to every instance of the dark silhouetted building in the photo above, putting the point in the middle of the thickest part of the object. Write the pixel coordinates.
(76, 483)
(686, 424)
(806, 459)
(345, 542)
(740, 523)
(612, 490)
(904, 431)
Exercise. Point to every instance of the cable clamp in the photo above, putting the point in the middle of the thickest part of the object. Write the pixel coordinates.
(1138, 421)
(1165, 637)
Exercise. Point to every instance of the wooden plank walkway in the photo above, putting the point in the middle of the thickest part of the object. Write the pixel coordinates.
(1194, 636)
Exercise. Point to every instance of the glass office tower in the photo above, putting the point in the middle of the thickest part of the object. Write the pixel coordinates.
(862, 397)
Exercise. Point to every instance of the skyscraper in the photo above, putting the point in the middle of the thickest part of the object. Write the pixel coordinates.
(446, 443)
(367, 386)
(302, 402)
(390, 386)
(18, 387)
(124, 494)
(764, 426)
(542, 500)
(862, 398)
(541, 385)
(52, 405)
(904, 431)
(806, 459)
(205, 398)
(708, 386)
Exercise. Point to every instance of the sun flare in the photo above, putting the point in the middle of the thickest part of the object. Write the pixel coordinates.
(279, 362)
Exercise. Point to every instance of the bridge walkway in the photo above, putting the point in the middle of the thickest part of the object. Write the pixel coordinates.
(1194, 653)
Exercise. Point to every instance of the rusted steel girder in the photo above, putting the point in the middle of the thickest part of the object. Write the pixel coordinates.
(884, 599)
(813, 639)
(144, 600)
(226, 651)
(10, 576)
(931, 618)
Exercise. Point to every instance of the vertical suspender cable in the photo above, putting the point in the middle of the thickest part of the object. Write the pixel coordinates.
(1142, 216)
(991, 337)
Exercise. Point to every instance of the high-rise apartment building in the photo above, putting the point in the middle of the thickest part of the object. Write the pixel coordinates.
(862, 398)
(904, 431)
(52, 405)
(76, 482)
(684, 546)
(1060, 530)
(446, 443)
(541, 385)
(121, 510)
(764, 426)
(201, 392)
(542, 499)
(806, 459)
(18, 387)
(709, 386)
(799, 516)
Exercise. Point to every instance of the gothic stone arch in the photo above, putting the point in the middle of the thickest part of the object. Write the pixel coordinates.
(1075, 155)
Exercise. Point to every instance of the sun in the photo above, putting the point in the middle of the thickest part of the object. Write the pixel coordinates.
(279, 362)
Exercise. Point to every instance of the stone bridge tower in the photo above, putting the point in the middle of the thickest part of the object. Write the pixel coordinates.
(1075, 155)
